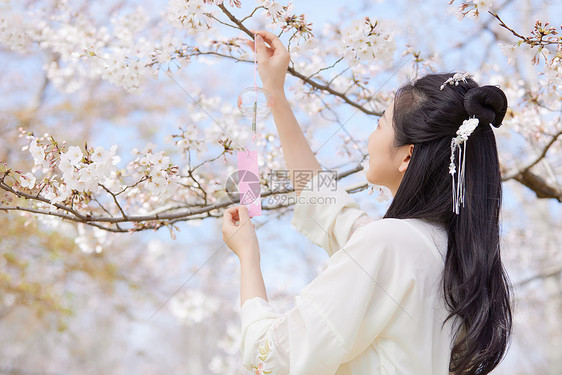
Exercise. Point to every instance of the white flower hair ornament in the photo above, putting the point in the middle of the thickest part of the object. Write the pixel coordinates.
(459, 142)
(455, 79)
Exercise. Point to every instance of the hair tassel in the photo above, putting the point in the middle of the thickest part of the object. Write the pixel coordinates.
(458, 189)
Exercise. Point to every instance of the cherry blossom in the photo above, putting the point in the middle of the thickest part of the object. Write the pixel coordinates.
(28, 180)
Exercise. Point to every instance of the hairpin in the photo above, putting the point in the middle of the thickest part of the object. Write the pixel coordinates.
(463, 133)
(455, 79)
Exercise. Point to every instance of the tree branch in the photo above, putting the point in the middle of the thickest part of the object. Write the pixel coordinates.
(538, 42)
(183, 213)
(541, 188)
(552, 271)
(533, 181)
(293, 72)
(541, 156)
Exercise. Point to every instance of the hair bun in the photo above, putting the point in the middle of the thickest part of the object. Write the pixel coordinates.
(487, 103)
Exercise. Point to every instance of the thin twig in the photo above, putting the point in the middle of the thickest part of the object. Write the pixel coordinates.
(524, 170)
(115, 200)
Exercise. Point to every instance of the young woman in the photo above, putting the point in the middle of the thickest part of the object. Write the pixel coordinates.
(420, 291)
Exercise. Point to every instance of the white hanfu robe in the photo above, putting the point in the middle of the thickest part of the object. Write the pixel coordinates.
(376, 308)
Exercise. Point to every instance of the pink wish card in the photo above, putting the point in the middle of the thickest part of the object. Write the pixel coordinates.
(249, 182)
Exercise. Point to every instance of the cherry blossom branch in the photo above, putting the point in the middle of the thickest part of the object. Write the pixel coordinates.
(252, 14)
(221, 22)
(37, 197)
(541, 156)
(552, 271)
(483, 27)
(103, 207)
(338, 75)
(537, 184)
(131, 186)
(295, 73)
(185, 213)
(208, 161)
(542, 33)
(115, 200)
(532, 181)
(325, 68)
(330, 90)
(141, 222)
(236, 20)
(80, 189)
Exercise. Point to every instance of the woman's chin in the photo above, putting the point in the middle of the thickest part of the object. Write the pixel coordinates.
(370, 179)
(369, 173)
(373, 181)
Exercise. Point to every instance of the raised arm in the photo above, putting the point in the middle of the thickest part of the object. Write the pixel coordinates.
(273, 61)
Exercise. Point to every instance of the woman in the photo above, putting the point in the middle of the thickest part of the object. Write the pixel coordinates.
(420, 291)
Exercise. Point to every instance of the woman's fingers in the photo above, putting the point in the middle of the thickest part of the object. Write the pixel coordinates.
(244, 214)
(261, 48)
(251, 44)
(231, 214)
(272, 61)
(270, 38)
(237, 213)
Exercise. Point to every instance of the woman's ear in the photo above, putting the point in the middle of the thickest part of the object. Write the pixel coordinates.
(407, 155)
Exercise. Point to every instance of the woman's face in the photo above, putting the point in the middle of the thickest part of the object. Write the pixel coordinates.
(387, 164)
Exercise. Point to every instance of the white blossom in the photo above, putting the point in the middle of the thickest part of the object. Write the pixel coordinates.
(63, 192)
(274, 9)
(159, 160)
(101, 156)
(125, 27)
(74, 155)
(484, 6)
(362, 42)
(14, 27)
(124, 71)
(88, 178)
(188, 15)
(157, 186)
(459, 13)
(28, 180)
(65, 166)
(38, 154)
(104, 162)
(510, 51)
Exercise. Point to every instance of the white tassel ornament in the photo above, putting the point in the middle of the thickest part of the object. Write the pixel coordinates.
(459, 143)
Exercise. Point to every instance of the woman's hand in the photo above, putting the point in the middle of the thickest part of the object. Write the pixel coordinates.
(240, 238)
(273, 60)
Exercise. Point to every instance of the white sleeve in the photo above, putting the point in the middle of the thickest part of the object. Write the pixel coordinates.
(337, 316)
(326, 213)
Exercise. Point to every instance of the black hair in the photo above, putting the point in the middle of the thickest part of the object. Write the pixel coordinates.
(475, 284)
